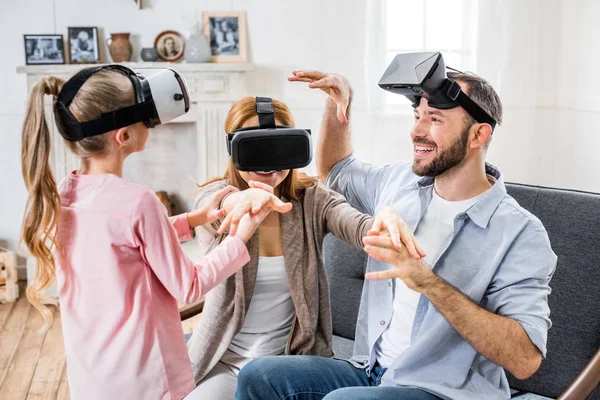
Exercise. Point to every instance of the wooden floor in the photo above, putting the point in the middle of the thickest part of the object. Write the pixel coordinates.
(32, 365)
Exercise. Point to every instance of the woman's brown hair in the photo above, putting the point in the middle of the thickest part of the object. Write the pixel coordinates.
(296, 182)
(103, 92)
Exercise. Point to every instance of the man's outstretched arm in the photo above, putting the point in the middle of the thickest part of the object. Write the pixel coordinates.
(334, 139)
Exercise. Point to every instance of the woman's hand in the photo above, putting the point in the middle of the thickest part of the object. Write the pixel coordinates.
(259, 197)
(248, 223)
(210, 211)
(389, 220)
(337, 87)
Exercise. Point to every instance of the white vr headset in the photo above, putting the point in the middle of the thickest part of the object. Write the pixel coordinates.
(161, 95)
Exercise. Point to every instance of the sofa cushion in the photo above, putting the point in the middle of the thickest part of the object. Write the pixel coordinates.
(572, 220)
(345, 266)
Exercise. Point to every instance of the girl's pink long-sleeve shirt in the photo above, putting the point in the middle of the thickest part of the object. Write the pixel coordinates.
(121, 271)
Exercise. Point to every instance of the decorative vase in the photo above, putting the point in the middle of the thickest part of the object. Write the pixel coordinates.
(197, 49)
(120, 47)
(149, 54)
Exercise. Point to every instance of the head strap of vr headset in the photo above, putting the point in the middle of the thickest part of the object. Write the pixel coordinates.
(107, 122)
(266, 119)
(453, 90)
(265, 111)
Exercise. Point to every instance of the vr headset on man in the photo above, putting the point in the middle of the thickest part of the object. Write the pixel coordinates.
(162, 95)
(416, 75)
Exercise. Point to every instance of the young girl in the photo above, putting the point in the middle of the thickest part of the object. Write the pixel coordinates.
(279, 303)
(115, 254)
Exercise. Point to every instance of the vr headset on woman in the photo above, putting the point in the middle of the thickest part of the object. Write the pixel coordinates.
(269, 147)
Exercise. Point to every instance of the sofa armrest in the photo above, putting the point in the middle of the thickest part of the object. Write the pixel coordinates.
(187, 312)
(585, 382)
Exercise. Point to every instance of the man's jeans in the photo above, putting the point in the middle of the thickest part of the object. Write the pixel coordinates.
(316, 378)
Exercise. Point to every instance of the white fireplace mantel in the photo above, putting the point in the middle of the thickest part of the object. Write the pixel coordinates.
(181, 67)
(213, 88)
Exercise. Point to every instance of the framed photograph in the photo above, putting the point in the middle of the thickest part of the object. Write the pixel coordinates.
(170, 45)
(226, 33)
(44, 49)
(84, 45)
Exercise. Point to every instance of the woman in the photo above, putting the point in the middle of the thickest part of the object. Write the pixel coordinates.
(279, 303)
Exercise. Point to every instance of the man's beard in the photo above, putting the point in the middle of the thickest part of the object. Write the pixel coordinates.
(447, 159)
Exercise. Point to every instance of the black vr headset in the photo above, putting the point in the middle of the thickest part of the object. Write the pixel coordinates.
(161, 95)
(416, 75)
(269, 147)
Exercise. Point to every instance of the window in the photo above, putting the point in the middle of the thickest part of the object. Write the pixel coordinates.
(447, 26)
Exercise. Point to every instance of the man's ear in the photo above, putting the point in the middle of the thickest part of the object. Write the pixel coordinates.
(483, 134)
(122, 137)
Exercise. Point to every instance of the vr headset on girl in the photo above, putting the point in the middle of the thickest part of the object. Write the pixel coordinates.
(161, 95)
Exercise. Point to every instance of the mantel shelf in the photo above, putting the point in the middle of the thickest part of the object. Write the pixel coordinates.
(182, 67)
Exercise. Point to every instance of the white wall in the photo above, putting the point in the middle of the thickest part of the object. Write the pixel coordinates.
(518, 53)
(578, 128)
(531, 52)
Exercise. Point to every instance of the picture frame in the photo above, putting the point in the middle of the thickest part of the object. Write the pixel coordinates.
(44, 49)
(84, 45)
(170, 46)
(227, 35)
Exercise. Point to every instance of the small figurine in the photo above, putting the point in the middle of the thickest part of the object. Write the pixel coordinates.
(9, 287)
